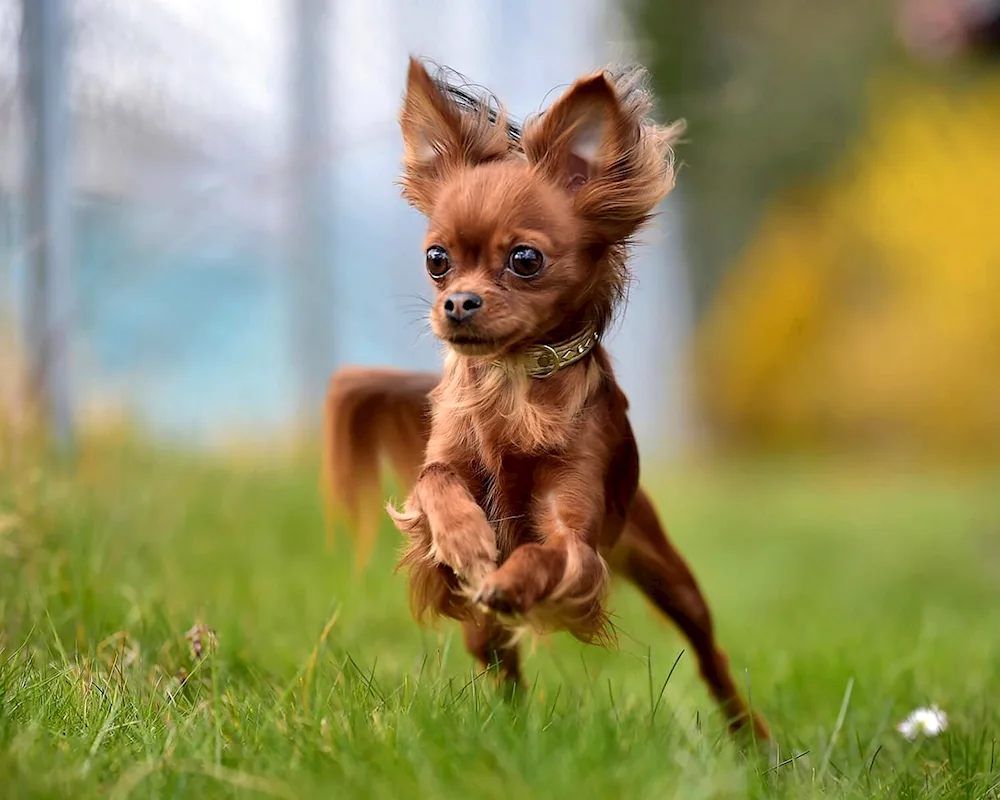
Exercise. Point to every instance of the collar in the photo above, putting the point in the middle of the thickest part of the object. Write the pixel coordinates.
(544, 360)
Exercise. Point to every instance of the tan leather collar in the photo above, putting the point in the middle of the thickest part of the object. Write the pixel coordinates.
(543, 360)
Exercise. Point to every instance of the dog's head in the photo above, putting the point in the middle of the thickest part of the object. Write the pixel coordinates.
(527, 230)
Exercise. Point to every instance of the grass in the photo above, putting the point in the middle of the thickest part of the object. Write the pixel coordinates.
(845, 598)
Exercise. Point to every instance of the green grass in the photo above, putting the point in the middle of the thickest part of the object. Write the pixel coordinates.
(844, 598)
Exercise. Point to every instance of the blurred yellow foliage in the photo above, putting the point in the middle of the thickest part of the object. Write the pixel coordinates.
(866, 313)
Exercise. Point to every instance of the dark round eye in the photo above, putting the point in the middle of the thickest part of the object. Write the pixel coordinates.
(524, 261)
(437, 262)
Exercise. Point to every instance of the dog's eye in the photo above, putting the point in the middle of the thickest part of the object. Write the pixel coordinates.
(524, 261)
(437, 262)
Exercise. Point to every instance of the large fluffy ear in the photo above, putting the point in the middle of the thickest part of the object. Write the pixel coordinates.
(439, 136)
(598, 142)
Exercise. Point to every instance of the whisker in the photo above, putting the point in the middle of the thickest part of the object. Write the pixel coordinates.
(507, 519)
(415, 297)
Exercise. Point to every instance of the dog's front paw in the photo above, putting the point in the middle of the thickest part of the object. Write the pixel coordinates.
(496, 595)
(473, 574)
(468, 546)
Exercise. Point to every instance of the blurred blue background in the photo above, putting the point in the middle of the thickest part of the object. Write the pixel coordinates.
(199, 220)
(191, 149)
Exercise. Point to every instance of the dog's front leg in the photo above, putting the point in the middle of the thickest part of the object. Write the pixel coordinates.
(561, 582)
(446, 526)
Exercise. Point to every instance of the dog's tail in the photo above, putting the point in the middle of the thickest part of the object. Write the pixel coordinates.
(371, 416)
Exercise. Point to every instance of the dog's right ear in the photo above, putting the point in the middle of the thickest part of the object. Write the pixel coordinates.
(598, 143)
(439, 137)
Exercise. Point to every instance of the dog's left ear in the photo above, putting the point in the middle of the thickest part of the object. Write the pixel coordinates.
(439, 137)
(597, 143)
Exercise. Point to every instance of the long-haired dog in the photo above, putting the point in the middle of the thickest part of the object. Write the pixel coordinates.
(524, 470)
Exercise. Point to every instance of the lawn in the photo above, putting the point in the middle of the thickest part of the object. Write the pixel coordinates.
(846, 597)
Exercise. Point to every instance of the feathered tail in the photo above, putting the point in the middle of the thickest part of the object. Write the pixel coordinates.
(371, 416)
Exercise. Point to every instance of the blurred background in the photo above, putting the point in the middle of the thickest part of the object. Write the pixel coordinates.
(197, 203)
(199, 224)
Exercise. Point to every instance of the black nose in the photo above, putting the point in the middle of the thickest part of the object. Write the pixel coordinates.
(460, 306)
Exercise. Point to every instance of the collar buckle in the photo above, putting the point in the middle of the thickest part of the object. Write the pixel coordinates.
(545, 360)
(548, 361)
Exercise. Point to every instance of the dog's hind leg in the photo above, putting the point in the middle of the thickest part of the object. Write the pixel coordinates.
(646, 557)
(492, 647)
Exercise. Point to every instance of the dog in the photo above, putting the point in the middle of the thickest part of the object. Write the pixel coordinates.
(523, 467)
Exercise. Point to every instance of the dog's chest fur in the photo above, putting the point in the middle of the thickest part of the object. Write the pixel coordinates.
(512, 426)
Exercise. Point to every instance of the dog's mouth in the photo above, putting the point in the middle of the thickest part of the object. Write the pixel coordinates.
(467, 345)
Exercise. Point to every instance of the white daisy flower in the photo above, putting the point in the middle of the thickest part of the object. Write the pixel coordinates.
(927, 721)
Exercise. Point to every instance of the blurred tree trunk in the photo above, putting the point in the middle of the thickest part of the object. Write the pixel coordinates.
(48, 215)
(309, 212)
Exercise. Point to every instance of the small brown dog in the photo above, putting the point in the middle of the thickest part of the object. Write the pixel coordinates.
(522, 462)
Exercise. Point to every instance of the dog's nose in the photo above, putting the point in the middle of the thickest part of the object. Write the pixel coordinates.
(458, 307)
